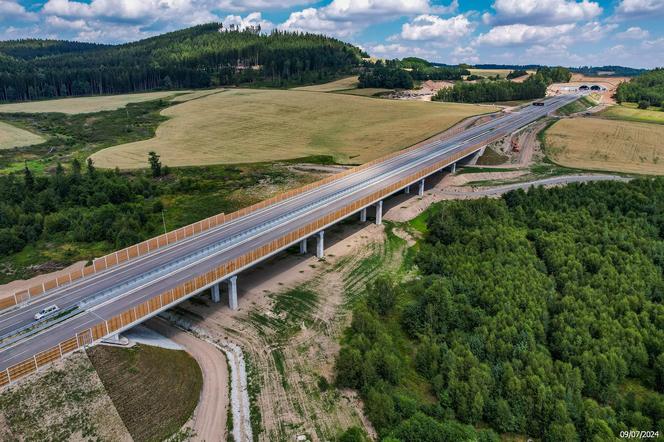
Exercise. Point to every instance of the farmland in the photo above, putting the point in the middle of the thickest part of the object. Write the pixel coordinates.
(12, 136)
(248, 126)
(602, 144)
(630, 112)
(85, 105)
(338, 85)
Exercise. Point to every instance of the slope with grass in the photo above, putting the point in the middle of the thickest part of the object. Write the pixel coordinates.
(629, 112)
(12, 136)
(155, 390)
(601, 144)
(85, 105)
(248, 126)
(337, 85)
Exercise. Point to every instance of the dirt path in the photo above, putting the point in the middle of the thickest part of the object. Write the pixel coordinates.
(210, 416)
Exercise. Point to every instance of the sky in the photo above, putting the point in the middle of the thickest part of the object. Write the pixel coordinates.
(553, 32)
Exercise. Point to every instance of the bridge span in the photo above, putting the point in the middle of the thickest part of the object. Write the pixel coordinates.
(127, 287)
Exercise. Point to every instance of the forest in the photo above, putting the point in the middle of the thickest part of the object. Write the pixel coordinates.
(201, 56)
(647, 87)
(401, 74)
(538, 314)
(82, 205)
(503, 90)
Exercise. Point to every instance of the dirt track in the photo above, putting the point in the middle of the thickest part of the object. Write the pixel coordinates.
(210, 415)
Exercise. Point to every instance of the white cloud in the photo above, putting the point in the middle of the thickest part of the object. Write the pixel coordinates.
(634, 33)
(254, 5)
(11, 10)
(432, 27)
(253, 19)
(519, 34)
(466, 54)
(540, 12)
(343, 18)
(594, 31)
(61, 23)
(639, 8)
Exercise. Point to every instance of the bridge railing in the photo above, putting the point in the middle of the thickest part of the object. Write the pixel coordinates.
(152, 244)
(171, 297)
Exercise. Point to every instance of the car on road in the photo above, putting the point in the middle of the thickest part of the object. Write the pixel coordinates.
(47, 311)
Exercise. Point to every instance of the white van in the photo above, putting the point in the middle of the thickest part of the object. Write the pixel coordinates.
(48, 311)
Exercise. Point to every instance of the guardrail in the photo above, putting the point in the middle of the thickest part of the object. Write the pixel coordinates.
(171, 297)
(152, 244)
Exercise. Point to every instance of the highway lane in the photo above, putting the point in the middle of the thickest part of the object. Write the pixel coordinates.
(390, 171)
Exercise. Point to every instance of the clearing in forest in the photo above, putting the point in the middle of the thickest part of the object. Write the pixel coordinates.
(85, 105)
(249, 126)
(12, 136)
(337, 85)
(601, 144)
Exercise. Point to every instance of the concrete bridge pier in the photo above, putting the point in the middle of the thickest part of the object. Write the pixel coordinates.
(232, 292)
(363, 215)
(406, 190)
(303, 246)
(320, 244)
(379, 213)
(420, 188)
(215, 293)
(453, 167)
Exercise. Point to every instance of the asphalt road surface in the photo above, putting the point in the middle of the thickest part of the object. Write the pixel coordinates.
(136, 281)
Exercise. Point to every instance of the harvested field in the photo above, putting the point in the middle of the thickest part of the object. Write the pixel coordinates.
(12, 136)
(630, 112)
(66, 401)
(85, 105)
(155, 390)
(601, 144)
(338, 85)
(366, 92)
(502, 73)
(247, 126)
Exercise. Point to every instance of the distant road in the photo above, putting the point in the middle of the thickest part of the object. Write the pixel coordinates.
(566, 179)
(106, 294)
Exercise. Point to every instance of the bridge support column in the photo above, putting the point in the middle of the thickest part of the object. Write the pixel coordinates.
(379, 213)
(214, 293)
(320, 244)
(406, 190)
(232, 292)
(363, 215)
(453, 167)
(420, 188)
(303, 246)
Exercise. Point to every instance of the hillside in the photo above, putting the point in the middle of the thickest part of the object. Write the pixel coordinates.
(201, 56)
(647, 87)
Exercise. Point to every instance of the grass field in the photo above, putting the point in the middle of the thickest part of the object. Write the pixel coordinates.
(580, 105)
(85, 105)
(629, 112)
(602, 144)
(365, 92)
(338, 85)
(248, 126)
(12, 136)
(155, 390)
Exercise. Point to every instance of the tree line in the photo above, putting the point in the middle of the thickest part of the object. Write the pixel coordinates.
(79, 204)
(539, 314)
(401, 74)
(503, 90)
(197, 57)
(647, 88)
